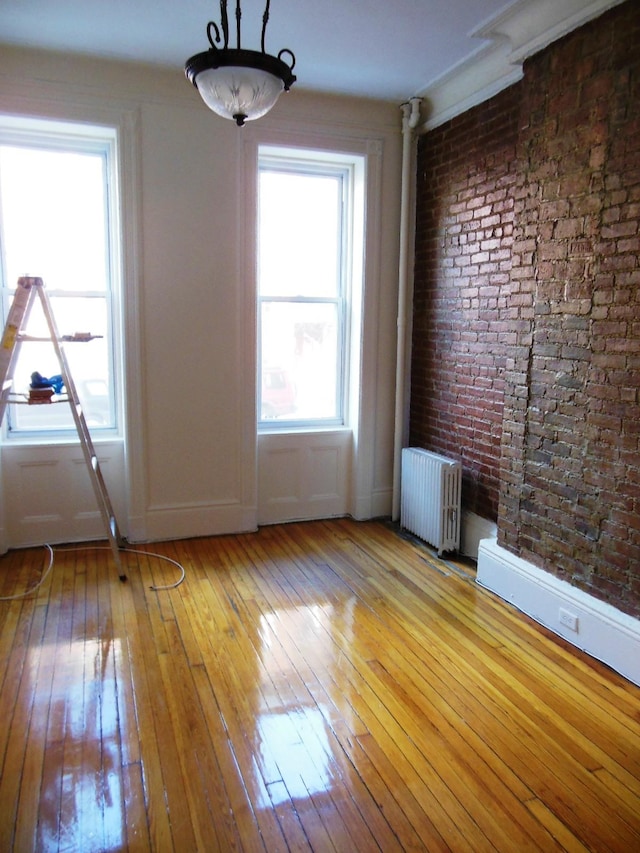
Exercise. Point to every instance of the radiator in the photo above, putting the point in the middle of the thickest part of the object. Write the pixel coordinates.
(430, 498)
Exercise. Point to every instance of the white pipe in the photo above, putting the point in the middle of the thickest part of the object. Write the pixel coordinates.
(410, 119)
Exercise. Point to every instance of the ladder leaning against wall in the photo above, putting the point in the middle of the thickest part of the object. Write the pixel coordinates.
(29, 288)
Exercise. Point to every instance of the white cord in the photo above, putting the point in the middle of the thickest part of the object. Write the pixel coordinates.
(101, 548)
(160, 557)
(33, 588)
(135, 551)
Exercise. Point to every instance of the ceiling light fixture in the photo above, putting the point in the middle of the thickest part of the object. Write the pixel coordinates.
(239, 84)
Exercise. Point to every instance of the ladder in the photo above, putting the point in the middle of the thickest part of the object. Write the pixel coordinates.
(14, 334)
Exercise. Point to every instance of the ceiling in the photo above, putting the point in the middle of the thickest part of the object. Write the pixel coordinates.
(389, 49)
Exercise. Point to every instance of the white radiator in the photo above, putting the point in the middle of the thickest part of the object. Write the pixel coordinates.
(430, 498)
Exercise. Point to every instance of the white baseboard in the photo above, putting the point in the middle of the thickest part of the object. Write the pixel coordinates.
(601, 630)
(189, 521)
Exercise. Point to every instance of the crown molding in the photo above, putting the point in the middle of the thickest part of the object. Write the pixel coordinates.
(510, 37)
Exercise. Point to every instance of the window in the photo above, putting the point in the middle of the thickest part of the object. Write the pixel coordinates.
(305, 252)
(58, 222)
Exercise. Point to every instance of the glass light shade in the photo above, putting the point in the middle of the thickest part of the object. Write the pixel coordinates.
(239, 93)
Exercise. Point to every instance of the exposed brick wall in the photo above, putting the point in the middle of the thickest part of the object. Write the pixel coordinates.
(462, 332)
(568, 352)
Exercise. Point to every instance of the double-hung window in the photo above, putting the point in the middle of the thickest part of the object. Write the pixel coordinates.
(304, 261)
(58, 221)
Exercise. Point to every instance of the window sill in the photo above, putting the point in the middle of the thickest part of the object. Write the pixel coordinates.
(304, 430)
(57, 440)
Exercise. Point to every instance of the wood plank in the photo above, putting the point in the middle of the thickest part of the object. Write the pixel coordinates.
(287, 693)
(593, 821)
(459, 785)
(288, 703)
(325, 685)
(372, 711)
(20, 806)
(53, 703)
(587, 807)
(171, 794)
(148, 729)
(523, 672)
(560, 832)
(136, 819)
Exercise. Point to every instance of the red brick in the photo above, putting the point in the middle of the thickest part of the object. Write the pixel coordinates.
(526, 358)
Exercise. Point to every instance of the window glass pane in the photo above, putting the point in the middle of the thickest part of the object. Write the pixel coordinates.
(299, 234)
(53, 217)
(89, 365)
(55, 224)
(299, 360)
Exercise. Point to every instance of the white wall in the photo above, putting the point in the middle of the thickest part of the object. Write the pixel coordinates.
(191, 461)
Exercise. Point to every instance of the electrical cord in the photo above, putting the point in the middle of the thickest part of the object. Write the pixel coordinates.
(35, 587)
(100, 548)
(160, 557)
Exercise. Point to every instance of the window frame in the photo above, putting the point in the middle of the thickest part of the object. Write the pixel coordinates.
(55, 134)
(289, 159)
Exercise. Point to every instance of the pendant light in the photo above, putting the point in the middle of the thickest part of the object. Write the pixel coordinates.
(239, 84)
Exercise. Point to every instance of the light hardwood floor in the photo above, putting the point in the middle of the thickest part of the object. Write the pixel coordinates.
(317, 686)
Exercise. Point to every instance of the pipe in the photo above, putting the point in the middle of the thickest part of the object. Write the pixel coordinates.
(410, 119)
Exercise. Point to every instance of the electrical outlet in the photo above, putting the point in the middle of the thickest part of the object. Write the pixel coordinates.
(568, 619)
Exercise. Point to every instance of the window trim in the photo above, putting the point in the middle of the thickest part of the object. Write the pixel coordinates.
(351, 168)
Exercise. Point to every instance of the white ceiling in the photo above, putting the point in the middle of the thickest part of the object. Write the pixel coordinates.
(389, 49)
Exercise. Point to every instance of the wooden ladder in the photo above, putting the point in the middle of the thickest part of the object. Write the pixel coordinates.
(14, 334)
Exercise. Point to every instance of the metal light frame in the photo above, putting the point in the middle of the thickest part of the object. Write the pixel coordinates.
(239, 58)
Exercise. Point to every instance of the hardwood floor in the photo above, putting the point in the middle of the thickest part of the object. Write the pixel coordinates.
(317, 686)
